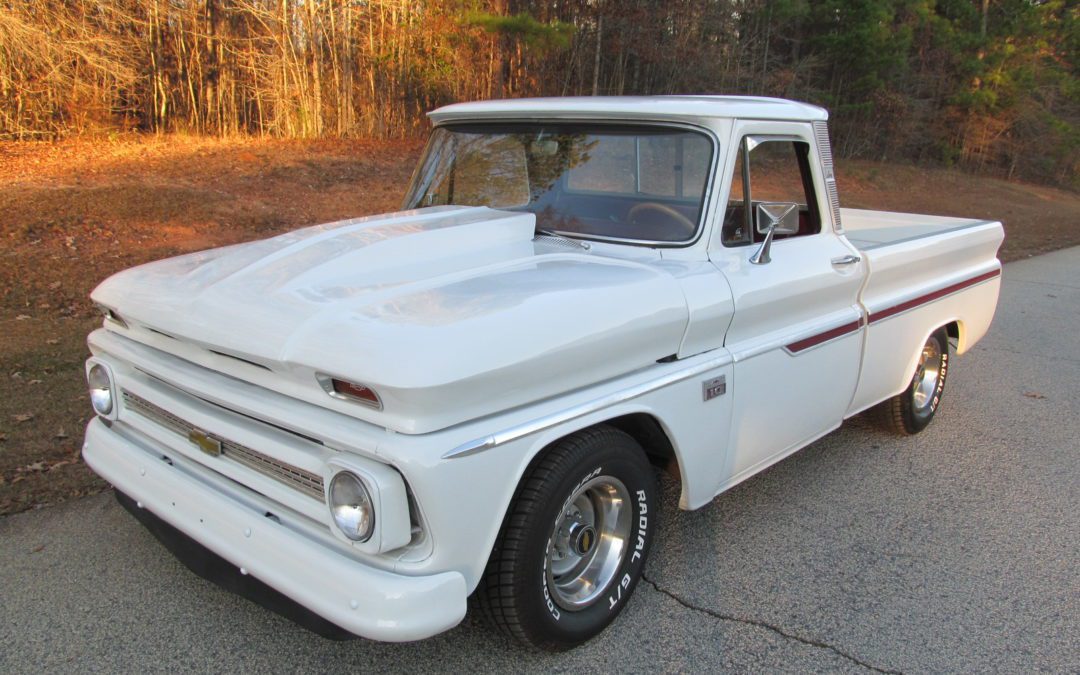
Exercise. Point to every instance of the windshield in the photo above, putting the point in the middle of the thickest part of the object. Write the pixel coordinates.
(633, 182)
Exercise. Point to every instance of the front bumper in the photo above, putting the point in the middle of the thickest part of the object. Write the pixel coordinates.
(369, 602)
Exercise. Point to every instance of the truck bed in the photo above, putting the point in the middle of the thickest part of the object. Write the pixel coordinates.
(873, 229)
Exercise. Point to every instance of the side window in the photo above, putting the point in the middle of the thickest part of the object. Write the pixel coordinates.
(769, 171)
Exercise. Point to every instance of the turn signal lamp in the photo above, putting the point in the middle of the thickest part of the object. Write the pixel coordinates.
(350, 391)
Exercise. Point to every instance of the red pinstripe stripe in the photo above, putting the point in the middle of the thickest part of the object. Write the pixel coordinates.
(845, 329)
(930, 297)
(813, 340)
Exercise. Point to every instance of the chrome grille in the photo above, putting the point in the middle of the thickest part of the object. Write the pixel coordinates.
(306, 482)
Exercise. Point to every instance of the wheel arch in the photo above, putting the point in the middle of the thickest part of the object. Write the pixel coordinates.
(956, 331)
(651, 435)
(644, 426)
(636, 419)
(953, 329)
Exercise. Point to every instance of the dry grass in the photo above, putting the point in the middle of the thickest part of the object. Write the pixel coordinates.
(1037, 218)
(75, 212)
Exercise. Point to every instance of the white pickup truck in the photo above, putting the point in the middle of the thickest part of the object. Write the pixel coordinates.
(363, 424)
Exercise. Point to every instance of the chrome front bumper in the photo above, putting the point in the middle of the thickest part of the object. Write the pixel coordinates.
(369, 602)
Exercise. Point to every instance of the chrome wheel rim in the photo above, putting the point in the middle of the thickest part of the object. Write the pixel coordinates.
(927, 375)
(588, 542)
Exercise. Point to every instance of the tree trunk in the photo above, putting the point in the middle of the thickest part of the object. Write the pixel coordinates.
(596, 56)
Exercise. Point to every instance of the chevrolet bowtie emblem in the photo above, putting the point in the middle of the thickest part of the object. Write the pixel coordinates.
(205, 441)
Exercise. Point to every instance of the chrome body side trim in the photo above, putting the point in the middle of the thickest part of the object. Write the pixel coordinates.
(546, 422)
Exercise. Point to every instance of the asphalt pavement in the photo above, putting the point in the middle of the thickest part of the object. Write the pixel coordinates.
(954, 550)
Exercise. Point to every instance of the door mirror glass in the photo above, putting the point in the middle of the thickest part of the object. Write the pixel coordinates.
(780, 217)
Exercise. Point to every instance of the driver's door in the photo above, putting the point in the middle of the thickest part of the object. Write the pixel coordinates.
(796, 335)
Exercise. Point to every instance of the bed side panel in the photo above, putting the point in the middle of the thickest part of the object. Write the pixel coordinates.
(916, 286)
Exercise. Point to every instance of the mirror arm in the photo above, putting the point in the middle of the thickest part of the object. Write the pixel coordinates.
(761, 256)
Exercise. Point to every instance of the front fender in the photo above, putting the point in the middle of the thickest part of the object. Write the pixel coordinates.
(464, 497)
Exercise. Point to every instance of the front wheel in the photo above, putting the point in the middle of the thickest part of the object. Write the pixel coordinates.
(909, 412)
(574, 542)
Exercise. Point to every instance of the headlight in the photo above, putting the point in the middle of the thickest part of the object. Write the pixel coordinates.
(101, 396)
(351, 506)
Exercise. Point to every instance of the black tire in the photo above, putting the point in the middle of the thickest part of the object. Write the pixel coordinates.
(519, 595)
(912, 410)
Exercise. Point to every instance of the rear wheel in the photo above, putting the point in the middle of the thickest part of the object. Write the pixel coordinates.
(911, 411)
(574, 542)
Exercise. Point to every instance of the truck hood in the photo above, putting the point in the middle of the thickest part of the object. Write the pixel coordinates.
(448, 313)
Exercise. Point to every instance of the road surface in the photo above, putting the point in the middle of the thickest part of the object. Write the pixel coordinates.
(954, 550)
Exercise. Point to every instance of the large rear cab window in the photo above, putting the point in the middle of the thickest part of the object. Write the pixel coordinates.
(640, 183)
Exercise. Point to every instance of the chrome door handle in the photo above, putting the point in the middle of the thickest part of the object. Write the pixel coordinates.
(846, 260)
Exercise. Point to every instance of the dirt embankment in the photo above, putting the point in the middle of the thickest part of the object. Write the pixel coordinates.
(73, 213)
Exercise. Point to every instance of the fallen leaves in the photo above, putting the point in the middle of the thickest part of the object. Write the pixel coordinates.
(23, 417)
(40, 466)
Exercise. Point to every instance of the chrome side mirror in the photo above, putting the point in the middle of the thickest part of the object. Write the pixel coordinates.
(771, 218)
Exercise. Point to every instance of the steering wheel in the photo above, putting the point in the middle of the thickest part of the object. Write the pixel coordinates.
(667, 211)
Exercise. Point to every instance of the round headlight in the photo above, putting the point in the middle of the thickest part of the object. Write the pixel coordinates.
(101, 396)
(351, 506)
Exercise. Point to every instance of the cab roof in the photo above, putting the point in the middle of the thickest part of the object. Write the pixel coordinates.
(633, 107)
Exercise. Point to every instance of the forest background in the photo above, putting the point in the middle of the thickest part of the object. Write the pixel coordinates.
(987, 85)
(135, 130)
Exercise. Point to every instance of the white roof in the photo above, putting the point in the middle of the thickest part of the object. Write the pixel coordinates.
(637, 107)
